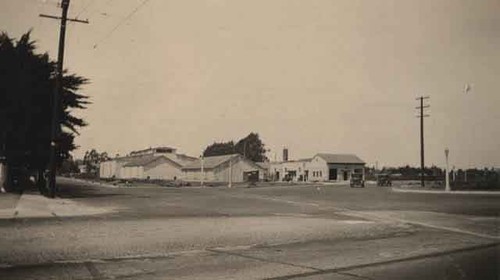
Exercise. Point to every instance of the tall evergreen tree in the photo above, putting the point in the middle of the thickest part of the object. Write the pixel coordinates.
(27, 88)
(252, 148)
(218, 149)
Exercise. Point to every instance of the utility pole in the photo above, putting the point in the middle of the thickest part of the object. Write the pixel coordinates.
(230, 183)
(422, 116)
(202, 179)
(55, 126)
(447, 172)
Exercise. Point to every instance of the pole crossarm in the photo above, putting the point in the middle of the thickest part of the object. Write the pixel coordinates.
(421, 115)
(86, 21)
(58, 91)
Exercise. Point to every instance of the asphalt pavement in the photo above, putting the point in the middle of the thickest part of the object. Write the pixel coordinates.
(96, 231)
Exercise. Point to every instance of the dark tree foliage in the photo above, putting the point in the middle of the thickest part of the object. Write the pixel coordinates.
(27, 84)
(218, 149)
(92, 160)
(252, 148)
(68, 166)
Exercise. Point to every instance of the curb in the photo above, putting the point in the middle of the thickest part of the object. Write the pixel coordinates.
(399, 189)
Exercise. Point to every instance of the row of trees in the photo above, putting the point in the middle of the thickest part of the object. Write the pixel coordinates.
(250, 147)
(27, 88)
(460, 178)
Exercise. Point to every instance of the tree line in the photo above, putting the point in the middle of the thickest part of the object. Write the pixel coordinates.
(251, 147)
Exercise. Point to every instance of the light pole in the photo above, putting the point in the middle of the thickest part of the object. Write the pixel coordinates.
(446, 153)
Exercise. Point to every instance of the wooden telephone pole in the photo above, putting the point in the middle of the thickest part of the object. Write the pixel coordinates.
(422, 116)
(55, 126)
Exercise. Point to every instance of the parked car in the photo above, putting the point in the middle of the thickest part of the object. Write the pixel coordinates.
(384, 180)
(357, 180)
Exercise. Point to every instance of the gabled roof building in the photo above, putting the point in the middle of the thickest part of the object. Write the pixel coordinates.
(321, 167)
(153, 163)
(234, 168)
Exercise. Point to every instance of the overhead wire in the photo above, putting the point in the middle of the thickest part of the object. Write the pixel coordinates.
(95, 10)
(120, 23)
(85, 8)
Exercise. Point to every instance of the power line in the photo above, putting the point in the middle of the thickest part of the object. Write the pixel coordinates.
(95, 10)
(85, 8)
(122, 22)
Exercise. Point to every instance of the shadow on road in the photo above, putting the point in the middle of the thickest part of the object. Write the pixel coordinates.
(67, 190)
(73, 191)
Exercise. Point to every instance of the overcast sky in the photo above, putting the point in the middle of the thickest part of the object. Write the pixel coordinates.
(336, 76)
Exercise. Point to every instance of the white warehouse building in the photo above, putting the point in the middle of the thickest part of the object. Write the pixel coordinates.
(153, 163)
(225, 168)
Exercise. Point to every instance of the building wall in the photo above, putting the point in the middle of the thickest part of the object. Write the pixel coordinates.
(162, 169)
(132, 172)
(348, 169)
(111, 168)
(299, 168)
(318, 169)
(221, 172)
(237, 170)
(195, 175)
(106, 169)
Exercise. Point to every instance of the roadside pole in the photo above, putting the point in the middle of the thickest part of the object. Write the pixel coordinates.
(202, 172)
(447, 152)
(56, 103)
(230, 173)
(422, 116)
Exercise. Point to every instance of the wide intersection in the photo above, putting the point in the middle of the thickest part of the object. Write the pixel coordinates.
(302, 232)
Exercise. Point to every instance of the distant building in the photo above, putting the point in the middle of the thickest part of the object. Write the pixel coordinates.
(152, 163)
(291, 170)
(334, 167)
(221, 168)
(265, 167)
(321, 167)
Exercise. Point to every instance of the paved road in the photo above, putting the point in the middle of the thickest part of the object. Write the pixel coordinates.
(303, 232)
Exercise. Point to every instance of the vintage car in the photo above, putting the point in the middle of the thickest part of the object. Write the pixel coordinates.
(357, 180)
(384, 180)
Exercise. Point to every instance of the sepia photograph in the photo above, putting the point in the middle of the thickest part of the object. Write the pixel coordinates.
(250, 139)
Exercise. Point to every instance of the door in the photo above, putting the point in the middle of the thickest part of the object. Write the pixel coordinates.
(332, 175)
